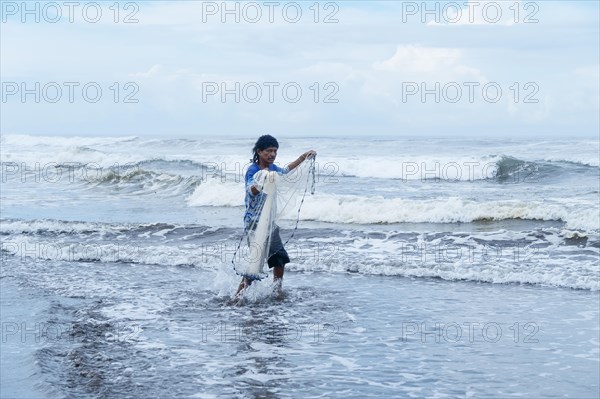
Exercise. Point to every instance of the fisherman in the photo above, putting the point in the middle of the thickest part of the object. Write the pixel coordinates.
(264, 155)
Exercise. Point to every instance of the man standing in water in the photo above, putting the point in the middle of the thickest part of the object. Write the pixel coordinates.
(264, 154)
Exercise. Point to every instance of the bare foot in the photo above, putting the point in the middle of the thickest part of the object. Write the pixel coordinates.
(278, 289)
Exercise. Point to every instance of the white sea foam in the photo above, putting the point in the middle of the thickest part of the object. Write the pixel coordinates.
(496, 257)
(59, 141)
(56, 226)
(352, 209)
(407, 167)
(214, 192)
(367, 210)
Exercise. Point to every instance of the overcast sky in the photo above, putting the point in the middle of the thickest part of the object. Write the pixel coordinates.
(481, 69)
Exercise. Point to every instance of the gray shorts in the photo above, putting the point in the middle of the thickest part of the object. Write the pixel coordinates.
(278, 256)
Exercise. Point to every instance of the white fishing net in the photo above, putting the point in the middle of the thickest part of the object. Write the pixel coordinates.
(281, 197)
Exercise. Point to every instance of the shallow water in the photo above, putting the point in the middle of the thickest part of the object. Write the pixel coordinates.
(119, 330)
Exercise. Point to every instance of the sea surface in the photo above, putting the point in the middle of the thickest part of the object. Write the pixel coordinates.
(420, 268)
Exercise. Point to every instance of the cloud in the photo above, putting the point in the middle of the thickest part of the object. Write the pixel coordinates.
(153, 71)
(591, 72)
(370, 53)
(411, 63)
(482, 12)
(530, 113)
(422, 59)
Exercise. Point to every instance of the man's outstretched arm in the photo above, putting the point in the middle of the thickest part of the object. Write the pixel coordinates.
(302, 158)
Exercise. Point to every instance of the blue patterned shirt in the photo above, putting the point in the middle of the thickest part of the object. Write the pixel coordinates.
(253, 202)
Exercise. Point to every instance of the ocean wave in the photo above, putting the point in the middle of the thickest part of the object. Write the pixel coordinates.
(53, 227)
(366, 210)
(82, 229)
(539, 256)
(411, 167)
(140, 181)
(355, 209)
(564, 275)
(214, 192)
(153, 164)
(593, 161)
(136, 178)
(502, 168)
(509, 167)
(450, 164)
(60, 141)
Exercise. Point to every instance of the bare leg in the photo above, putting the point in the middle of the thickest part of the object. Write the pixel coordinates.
(278, 280)
(278, 273)
(245, 283)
